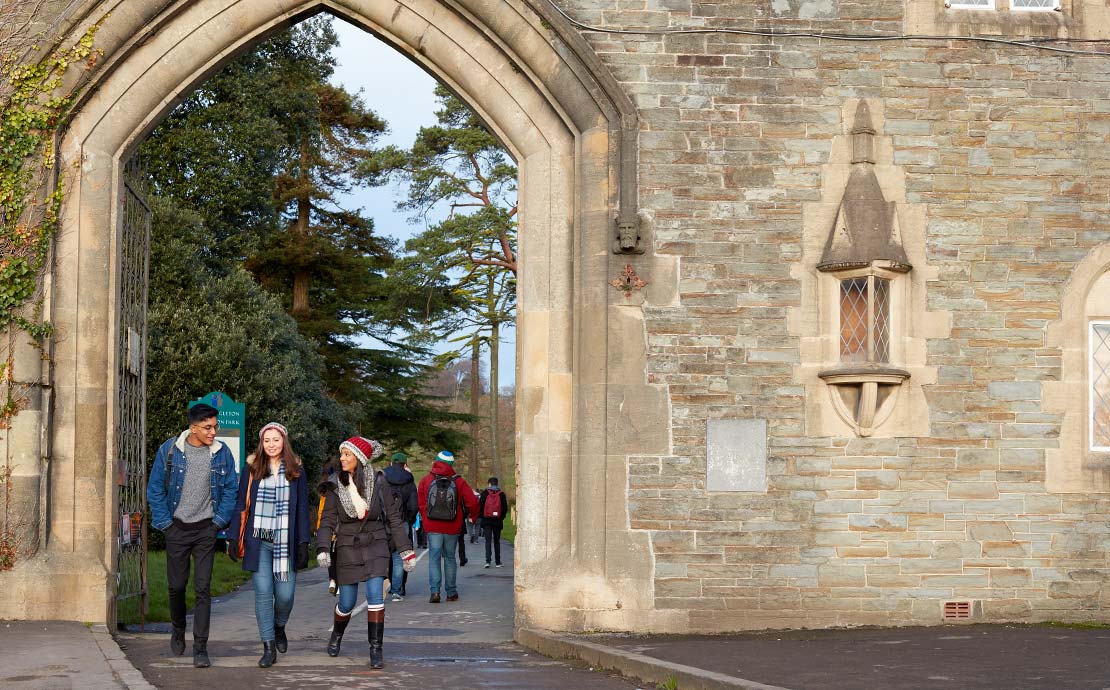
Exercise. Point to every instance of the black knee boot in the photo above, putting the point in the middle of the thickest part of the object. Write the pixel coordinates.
(337, 629)
(375, 629)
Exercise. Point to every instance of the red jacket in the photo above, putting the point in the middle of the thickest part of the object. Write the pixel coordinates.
(466, 496)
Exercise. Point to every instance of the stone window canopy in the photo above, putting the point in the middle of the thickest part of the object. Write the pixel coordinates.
(866, 231)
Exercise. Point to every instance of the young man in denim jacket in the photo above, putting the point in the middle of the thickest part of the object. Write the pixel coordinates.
(191, 494)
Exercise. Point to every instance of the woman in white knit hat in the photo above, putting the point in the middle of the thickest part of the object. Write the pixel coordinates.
(269, 531)
(363, 518)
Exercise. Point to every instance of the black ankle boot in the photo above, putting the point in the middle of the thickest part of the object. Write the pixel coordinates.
(337, 629)
(177, 641)
(269, 655)
(375, 629)
(280, 640)
(200, 654)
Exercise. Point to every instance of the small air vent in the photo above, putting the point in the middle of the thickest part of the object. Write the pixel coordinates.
(957, 610)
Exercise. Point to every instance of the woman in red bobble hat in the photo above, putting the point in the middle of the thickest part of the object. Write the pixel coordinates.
(363, 517)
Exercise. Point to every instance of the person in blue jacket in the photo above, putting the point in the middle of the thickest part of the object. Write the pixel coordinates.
(273, 540)
(191, 494)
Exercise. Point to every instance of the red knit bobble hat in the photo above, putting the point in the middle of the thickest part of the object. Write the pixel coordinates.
(366, 450)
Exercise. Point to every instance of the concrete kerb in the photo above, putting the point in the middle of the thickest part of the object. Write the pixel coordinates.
(129, 677)
(631, 664)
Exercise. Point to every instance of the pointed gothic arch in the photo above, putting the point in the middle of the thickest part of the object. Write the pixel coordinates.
(572, 131)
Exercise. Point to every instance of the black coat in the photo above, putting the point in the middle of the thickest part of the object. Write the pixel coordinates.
(402, 481)
(362, 547)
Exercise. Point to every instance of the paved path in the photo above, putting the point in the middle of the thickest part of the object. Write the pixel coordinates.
(62, 655)
(464, 644)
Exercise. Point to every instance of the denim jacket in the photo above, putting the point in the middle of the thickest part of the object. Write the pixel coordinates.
(162, 496)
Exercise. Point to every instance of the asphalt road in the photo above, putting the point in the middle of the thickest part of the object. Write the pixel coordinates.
(952, 657)
(465, 644)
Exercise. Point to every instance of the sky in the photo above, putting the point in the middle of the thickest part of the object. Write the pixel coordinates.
(402, 94)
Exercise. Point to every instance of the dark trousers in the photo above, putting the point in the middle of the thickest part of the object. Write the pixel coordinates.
(197, 540)
(462, 544)
(493, 534)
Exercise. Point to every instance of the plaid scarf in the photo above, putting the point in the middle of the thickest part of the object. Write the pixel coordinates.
(271, 519)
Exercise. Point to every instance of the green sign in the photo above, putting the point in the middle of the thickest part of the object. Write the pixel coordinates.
(233, 423)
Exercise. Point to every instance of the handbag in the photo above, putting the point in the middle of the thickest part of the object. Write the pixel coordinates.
(244, 516)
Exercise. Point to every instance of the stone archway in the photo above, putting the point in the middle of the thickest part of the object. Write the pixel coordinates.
(568, 126)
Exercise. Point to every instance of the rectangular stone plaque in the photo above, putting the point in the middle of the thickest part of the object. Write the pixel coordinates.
(736, 455)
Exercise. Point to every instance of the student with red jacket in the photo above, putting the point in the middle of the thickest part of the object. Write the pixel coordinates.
(442, 494)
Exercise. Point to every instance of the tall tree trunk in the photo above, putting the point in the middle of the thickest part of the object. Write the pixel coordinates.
(300, 232)
(475, 393)
(494, 403)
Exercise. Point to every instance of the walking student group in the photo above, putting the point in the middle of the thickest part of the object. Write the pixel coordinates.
(365, 524)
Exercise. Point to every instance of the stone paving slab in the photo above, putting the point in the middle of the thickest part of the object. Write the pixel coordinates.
(63, 655)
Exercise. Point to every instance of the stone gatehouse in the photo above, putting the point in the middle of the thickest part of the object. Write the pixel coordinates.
(815, 327)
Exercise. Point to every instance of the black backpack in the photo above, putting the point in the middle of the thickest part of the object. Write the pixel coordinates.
(443, 499)
(396, 490)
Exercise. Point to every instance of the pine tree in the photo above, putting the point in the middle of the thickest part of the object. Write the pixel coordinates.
(460, 166)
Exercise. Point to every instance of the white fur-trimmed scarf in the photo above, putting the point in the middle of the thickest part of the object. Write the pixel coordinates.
(356, 503)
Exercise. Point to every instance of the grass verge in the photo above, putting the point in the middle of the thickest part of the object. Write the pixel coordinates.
(226, 577)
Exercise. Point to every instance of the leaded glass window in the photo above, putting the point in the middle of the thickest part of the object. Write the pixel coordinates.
(1034, 4)
(865, 319)
(1100, 385)
(970, 4)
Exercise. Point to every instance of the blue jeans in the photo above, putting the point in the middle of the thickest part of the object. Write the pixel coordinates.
(348, 595)
(273, 600)
(442, 546)
(397, 574)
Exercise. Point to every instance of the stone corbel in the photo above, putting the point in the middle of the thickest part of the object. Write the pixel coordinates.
(627, 237)
(864, 397)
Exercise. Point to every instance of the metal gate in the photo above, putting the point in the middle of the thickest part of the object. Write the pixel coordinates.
(130, 442)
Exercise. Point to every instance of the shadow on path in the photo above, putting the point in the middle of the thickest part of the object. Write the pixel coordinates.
(463, 644)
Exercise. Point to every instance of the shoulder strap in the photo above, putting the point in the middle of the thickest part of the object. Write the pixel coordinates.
(169, 456)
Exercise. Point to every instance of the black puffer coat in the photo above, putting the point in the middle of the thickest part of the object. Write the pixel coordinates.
(361, 546)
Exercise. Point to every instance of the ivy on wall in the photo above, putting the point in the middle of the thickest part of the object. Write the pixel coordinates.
(34, 101)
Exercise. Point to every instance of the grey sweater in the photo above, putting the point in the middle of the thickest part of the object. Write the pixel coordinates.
(196, 492)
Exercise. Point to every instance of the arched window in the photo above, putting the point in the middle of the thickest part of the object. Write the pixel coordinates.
(1081, 397)
(1097, 313)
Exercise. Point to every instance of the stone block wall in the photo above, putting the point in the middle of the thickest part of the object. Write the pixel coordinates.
(1006, 150)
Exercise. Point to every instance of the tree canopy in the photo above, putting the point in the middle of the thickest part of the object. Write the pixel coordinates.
(247, 174)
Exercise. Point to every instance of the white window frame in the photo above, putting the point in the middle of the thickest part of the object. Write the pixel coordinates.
(1015, 8)
(1091, 384)
(957, 5)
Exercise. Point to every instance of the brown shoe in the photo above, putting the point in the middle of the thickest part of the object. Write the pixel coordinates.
(452, 597)
(434, 599)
